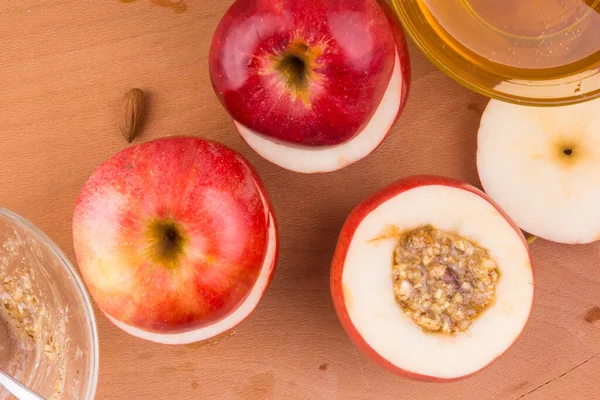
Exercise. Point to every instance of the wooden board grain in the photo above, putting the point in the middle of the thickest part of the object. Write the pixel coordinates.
(65, 64)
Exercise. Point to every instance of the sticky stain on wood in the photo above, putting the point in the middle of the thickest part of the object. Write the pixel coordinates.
(178, 6)
(170, 369)
(211, 342)
(593, 315)
(198, 345)
(519, 386)
(475, 108)
(145, 356)
(323, 367)
(259, 386)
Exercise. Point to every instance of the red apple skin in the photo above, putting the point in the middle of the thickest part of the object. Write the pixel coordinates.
(403, 55)
(402, 50)
(209, 190)
(345, 238)
(355, 47)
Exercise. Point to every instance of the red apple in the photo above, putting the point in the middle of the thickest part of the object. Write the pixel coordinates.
(312, 86)
(176, 239)
(364, 287)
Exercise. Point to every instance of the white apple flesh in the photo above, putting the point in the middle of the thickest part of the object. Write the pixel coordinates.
(362, 285)
(541, 166)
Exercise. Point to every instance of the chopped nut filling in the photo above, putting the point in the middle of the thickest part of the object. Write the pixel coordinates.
(20, 306)
(32, 323)
(441, 280)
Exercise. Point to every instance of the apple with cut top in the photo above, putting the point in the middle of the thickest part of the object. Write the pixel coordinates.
(176, 239)
(431, 279)
(312, 85)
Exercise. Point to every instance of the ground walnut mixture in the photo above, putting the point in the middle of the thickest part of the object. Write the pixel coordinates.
(27, 322)
(20, 306)
(441, 280)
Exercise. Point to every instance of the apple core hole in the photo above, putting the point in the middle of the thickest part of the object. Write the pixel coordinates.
(167, 242)
(294, 69)
(567, 151)
(171, 236)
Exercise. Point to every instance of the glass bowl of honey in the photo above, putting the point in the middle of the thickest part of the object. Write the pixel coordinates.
(530, 52)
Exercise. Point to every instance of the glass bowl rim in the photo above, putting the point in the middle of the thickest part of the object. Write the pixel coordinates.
(425, 47)
(79, 288)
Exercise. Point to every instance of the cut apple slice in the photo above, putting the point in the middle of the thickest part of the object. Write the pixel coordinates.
(365, 284)
(311, 159)
(541, 166)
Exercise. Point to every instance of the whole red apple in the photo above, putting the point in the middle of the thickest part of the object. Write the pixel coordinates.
(375, 272)
(176, 239)
(313, 86)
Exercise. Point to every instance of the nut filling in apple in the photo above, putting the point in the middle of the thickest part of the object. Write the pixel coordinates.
(431, 279)
(441, 280)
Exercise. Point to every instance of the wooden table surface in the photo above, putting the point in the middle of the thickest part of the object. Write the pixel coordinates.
(64, 65)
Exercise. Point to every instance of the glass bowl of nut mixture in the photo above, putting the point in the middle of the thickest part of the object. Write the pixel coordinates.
(48, 336)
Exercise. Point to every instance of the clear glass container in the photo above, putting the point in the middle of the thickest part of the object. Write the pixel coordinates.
(531, 52)
(48, 336)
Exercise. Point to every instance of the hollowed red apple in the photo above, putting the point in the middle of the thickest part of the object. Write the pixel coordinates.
(176, 239)
(455, 331)
(312, 86)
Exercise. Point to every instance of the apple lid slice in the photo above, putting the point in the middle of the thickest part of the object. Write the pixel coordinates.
(541, 166)
(431, 279)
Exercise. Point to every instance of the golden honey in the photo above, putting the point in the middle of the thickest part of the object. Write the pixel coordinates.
(514, 39)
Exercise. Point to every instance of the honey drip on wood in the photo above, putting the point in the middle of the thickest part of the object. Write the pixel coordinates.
(177, 6)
